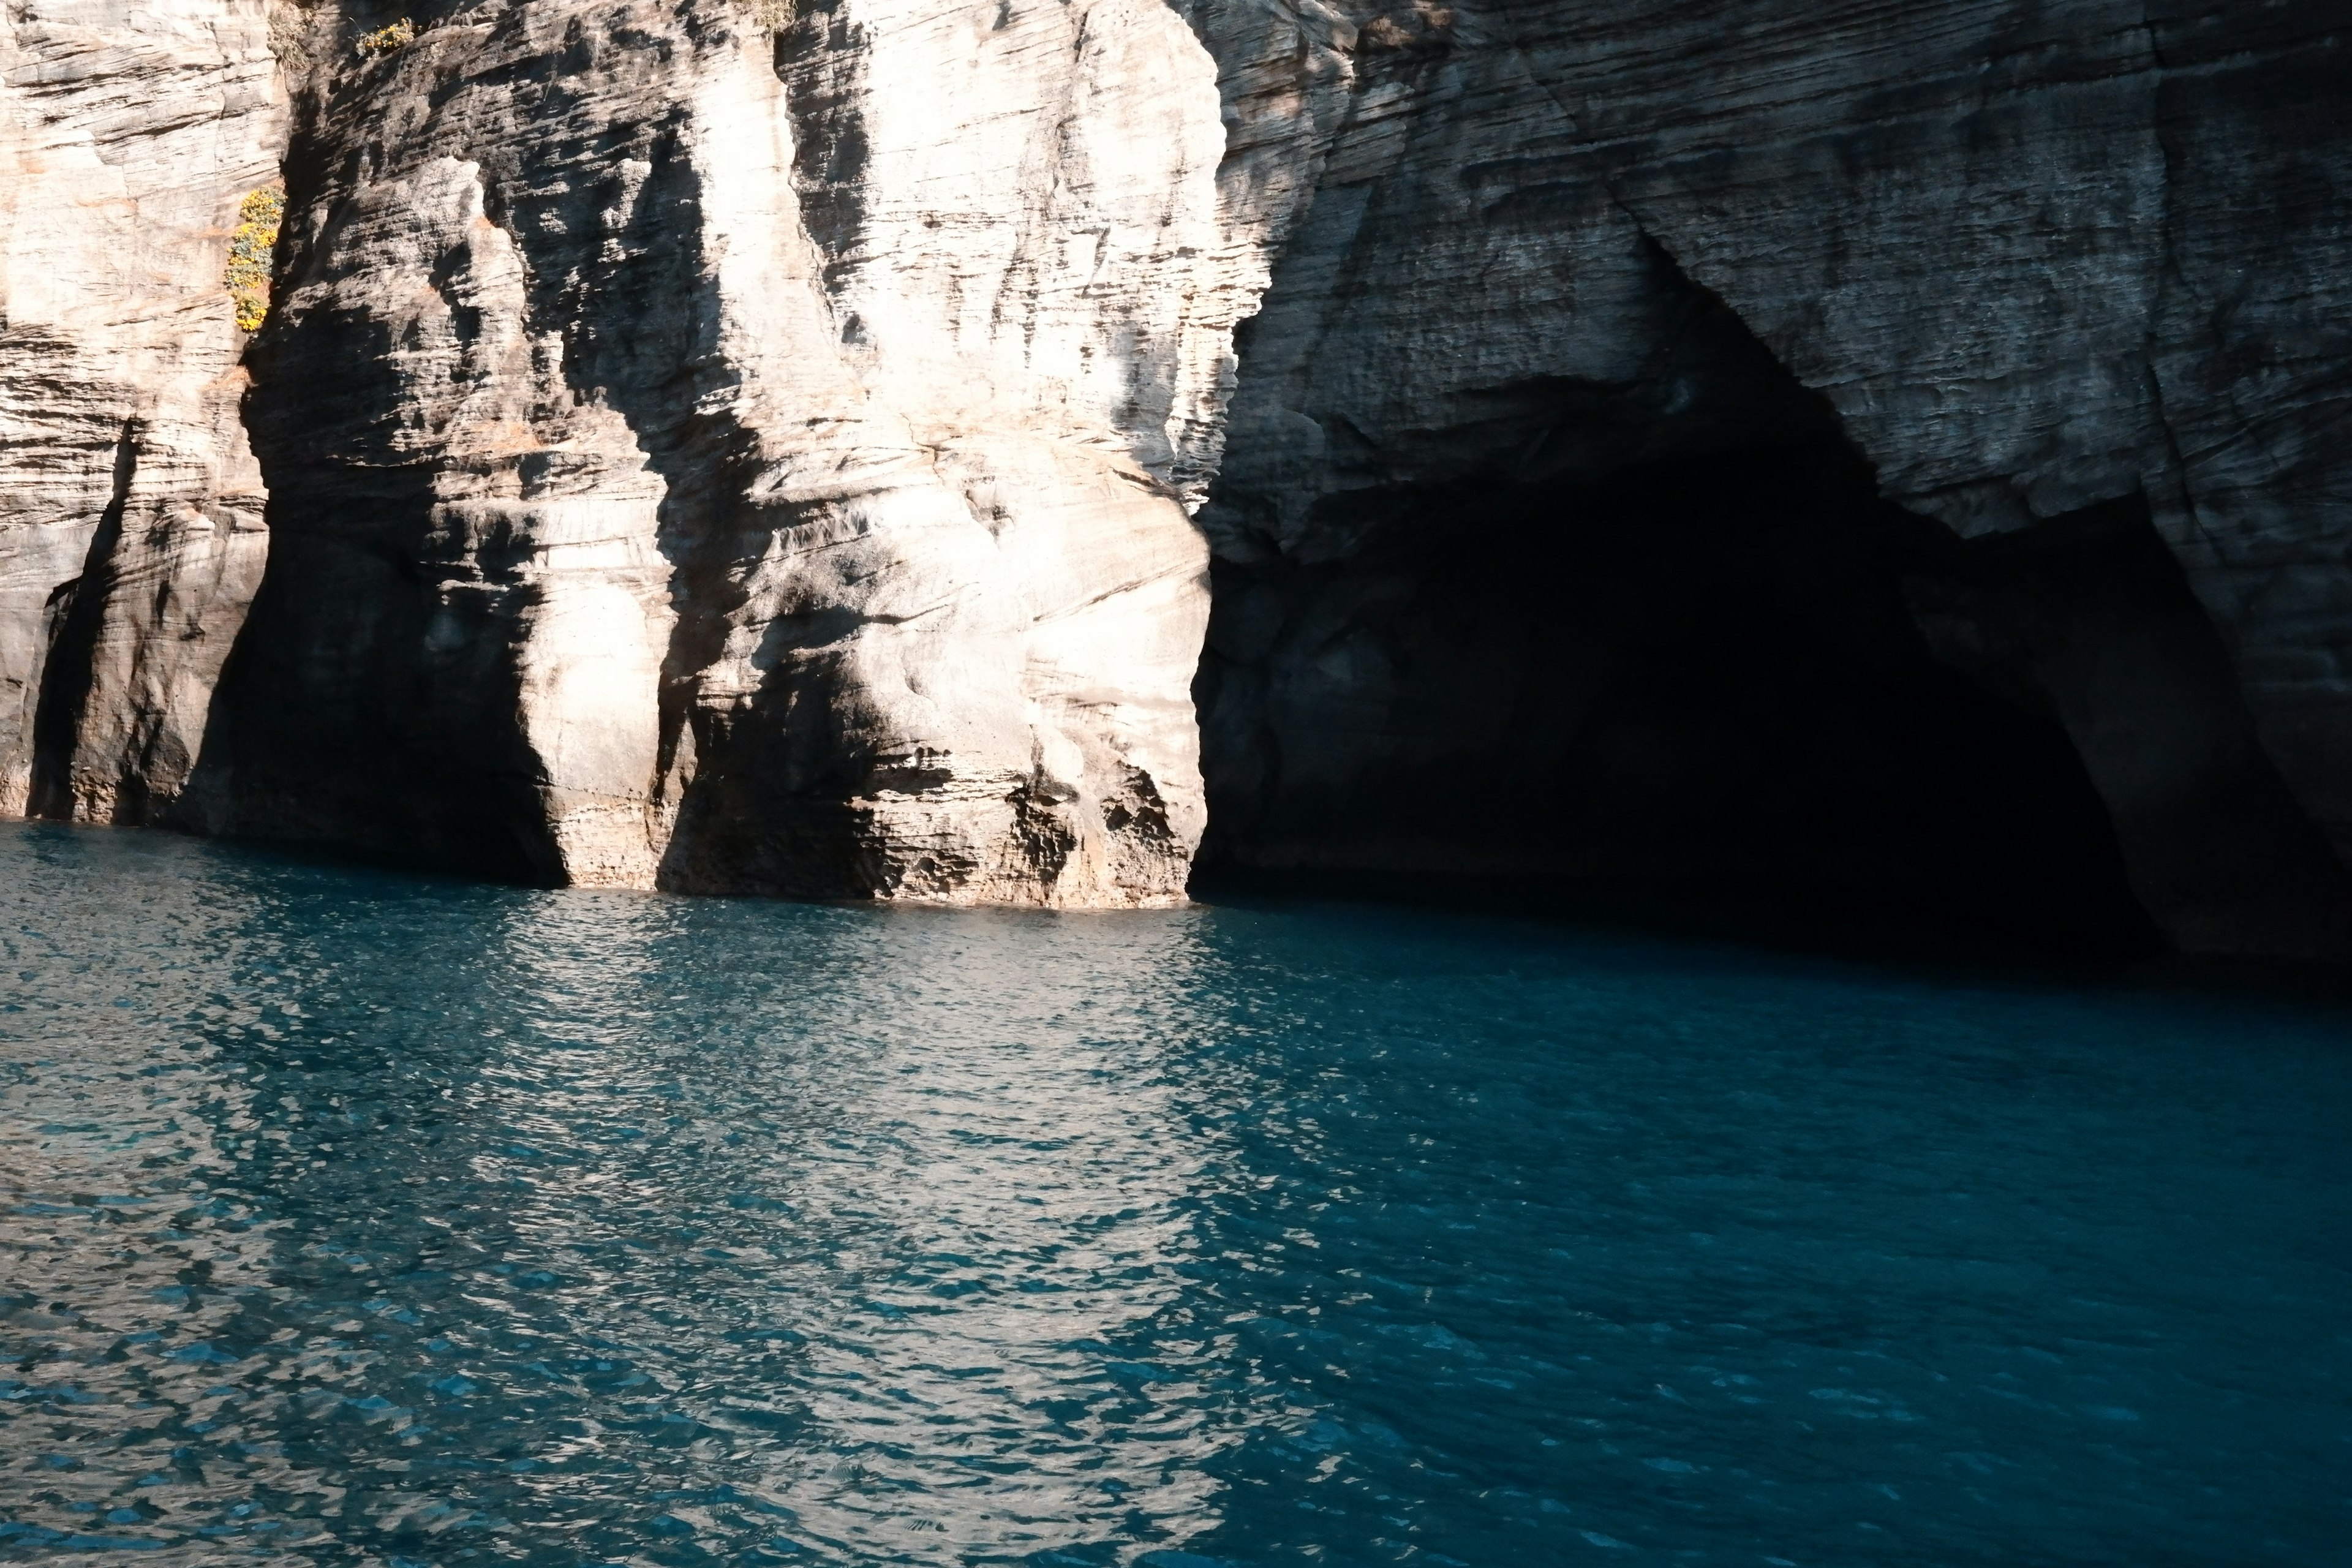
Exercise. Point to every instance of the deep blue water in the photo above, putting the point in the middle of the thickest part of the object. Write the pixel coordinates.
(357, 1217)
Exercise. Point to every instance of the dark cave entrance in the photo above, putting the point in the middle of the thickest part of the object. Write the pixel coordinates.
(1696, 679)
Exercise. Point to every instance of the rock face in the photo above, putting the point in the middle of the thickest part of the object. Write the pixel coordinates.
(692, 464)
(1657, 406)
(130, 508)
(1880, 457)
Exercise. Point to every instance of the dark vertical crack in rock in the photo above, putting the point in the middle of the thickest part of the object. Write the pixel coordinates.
(819, 58)
(67, 674)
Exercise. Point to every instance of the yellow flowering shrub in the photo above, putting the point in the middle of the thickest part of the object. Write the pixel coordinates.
(384, 40)
(250, 246)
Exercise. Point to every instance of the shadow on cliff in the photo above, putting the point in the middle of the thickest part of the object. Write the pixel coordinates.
(77, 612)
(374, 700)
(1693, 679)
(759, 788)
(1600, 649)
(368, 701)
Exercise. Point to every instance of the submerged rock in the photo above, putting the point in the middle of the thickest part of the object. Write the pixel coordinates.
(1889, 458)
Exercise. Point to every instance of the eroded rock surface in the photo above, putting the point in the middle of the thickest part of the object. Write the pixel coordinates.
(130, 508)
(1881, 456)
(743, 457)
(1580, 280)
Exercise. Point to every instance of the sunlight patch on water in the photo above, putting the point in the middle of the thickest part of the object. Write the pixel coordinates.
(352, 1216)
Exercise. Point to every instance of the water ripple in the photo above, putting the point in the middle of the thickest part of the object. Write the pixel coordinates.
(350, 1217)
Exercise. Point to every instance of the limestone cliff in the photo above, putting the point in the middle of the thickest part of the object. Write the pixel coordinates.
(1658, 406)
(691, 465)
(1886, 456)
(130, 508)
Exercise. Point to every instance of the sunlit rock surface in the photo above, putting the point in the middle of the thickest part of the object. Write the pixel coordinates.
(130, 509)
(1886, 456)
(730, 460)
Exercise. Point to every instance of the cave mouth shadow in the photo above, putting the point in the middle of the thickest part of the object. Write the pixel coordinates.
(1691, 685)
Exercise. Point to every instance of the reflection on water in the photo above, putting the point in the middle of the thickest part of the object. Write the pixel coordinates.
(959, 1170)
(355, 1218)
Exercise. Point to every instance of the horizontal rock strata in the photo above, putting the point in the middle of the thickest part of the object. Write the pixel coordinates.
(1884, 457)
(2031, 265)
(130, 508)
(740, 456)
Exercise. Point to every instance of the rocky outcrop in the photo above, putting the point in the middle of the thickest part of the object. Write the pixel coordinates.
(130, 508)
(1522, 516)
(1886, 456)
(740, 452)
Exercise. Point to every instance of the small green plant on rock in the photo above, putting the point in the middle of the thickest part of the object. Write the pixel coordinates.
(385, 40)
(250, 246)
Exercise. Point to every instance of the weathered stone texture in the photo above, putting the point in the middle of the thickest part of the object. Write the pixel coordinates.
(726, 461)
(1892, 455)
(2038, 261)
(130, 505)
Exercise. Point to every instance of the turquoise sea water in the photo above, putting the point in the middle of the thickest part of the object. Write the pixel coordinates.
(348, 1216)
